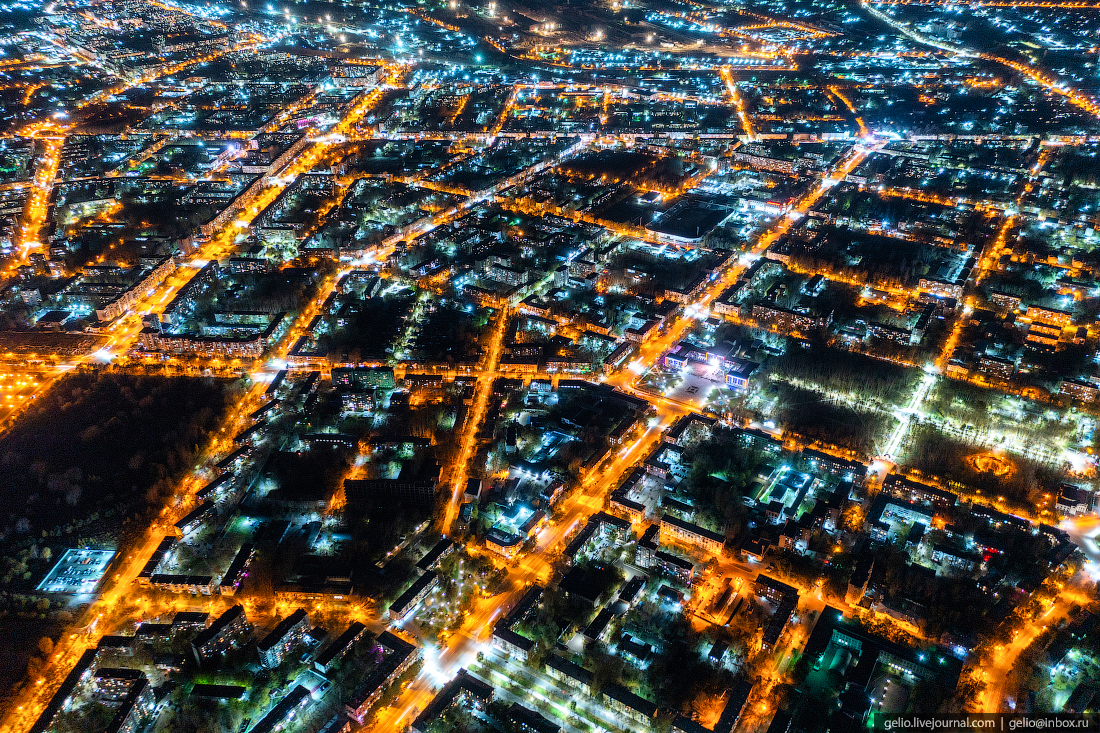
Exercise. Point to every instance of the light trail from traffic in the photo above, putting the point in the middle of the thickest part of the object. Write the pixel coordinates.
(738, 103)
(482, 390)
(38, 203)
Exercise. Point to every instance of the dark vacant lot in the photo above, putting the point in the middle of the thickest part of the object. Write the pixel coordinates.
(311, 475)
(103, 446)
(450, 334)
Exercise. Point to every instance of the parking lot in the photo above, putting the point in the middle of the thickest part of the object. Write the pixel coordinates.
(78, 571)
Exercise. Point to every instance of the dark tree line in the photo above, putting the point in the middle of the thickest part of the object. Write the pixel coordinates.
(105, 440)
(817, 418)
(848, 373)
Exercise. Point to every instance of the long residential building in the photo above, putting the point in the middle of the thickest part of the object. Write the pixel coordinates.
(463, 687)
(221, 634)
(283, 711)
(60, 699)
(785, 320)
(339, 648)
(416, 592)
(136, 705)
(236, 572)
(232, 347)
(400, 655)
(569, 674)
(629, 705)
(194, 584)
(692, 534)
(284, 637)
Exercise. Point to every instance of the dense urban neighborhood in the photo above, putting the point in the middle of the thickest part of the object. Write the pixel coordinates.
(593, 366)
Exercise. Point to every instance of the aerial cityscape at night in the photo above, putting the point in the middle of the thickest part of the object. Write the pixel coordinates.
(586, 366)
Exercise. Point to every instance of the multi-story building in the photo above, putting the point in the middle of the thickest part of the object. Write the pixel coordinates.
(339, 648)
(244, 347)
(137, 704)
(195, 518)
(463, 687)
(285, 636)
(190, 41)
(674, 567)
(1049, 316)
(1005, 301)
(511, 643)
(726, 304)
(236, 571)
(945, 554)
(765, 163)
(1044, 334)
(774, 590)
(645, 556)
(610, 527)
(996, 367)
(506, 274)
(682, 426)
(1079, 389)
(436, 555)
(887, 332)
(777, 623)
(629, 705)
(1072, 500)
(739, 373)
(569, 674)
(113, 683)
(190, 620)
(531, 722)
(400, 655)
(692, 534)
(358, 400)
(785, 320)
(941, 288)
(371, 492)
(156, 559)
(79, 674)
(758, 439)
(843, 467)
(110, 290)
(506, 544)
(283, 711)
(122, 645)
(194, 584)
(632, 510)
(916, 492)
(357, 76)
(220, 635)
(415, 593)
(690, 293)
